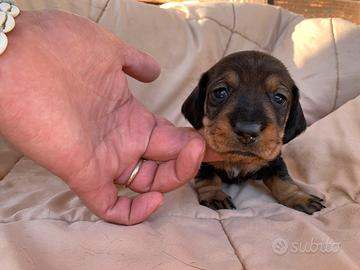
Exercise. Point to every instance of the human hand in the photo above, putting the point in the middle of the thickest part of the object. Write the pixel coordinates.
(65, 103)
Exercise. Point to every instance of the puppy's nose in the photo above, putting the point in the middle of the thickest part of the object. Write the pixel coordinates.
(247, 131)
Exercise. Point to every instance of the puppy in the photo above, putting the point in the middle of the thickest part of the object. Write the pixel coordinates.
(247, 106)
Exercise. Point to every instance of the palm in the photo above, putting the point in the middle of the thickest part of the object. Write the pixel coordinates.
(78, 118)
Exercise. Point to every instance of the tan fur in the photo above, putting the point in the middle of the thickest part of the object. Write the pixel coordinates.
(287, 192)
(220, 136)
(205, 184)
(272, 83)
(232, 78)
(247, 98)
(210, 189)
(246, 165)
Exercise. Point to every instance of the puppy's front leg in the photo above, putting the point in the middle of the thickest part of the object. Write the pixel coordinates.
(285, 190)
(208, 187)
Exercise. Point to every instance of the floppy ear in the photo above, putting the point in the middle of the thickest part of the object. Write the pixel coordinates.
(193, 107)
(296, 122)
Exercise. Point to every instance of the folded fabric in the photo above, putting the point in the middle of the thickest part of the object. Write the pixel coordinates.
(43, 225)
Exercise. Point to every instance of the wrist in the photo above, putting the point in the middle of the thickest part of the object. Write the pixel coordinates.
(8, 12)
(20, 46)
(10, 61)
(14, 68)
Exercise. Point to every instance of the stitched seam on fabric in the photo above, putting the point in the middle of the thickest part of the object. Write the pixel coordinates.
(51, 219)
(103, 11)
(182, 262)
(229, 29)
(210, 19)
(232, 30)
(281, 32)
(330, 210)
(231, 244)
(164, 216)
(100, 220)
(337, 86)
(248, 39)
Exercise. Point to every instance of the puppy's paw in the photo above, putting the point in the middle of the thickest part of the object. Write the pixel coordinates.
(305, 202)
(216, 200)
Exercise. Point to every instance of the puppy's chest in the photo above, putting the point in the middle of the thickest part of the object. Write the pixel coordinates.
(235, 172)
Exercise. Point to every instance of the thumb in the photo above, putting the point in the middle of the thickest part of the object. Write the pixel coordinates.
(140, 65)
(105, 203)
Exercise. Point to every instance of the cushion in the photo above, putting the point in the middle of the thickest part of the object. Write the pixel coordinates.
(43, 225)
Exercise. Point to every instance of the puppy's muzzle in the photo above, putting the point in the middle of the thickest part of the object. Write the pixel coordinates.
(247, 132)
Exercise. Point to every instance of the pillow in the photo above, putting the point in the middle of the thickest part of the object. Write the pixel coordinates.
(189, 37)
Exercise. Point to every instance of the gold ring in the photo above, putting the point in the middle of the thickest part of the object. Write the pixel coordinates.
(134, 172)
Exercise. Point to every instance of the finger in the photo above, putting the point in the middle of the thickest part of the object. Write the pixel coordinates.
(106, 204)
(130, 211)
(140, 65)
(174, 173)
(145, 177)
(126, 174)
(167, 141)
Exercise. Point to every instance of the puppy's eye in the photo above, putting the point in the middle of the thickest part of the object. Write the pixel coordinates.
(279, 99)
(221, 93)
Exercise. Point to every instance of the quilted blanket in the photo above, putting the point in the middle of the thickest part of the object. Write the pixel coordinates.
(43, 225)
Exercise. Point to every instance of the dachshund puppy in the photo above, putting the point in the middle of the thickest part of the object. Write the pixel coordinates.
(247, 106)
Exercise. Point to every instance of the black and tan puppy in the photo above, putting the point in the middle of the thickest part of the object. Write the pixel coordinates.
(247, 106)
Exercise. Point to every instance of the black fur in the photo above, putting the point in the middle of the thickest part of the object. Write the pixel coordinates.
(193, 107)
(296, 122)
(249, 108)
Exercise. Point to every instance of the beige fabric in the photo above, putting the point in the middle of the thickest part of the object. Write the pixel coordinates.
(92, 9)
(188, 38)
(8, 157)
(43, 225)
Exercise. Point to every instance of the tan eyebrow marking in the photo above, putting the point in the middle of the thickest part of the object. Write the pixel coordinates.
(232, 78)
(273, 82)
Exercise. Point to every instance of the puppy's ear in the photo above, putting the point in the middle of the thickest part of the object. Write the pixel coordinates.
(296, 122)
(193, 107)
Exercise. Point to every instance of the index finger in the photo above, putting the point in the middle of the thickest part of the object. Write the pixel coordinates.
(140, 65)
(167, 141)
